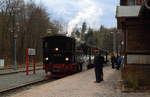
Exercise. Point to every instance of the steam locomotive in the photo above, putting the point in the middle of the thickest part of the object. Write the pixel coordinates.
(62, 55)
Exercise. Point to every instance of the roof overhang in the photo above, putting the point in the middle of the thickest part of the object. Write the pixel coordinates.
(134, 11)
(127, 11)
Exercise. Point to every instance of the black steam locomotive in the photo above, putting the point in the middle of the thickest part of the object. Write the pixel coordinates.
(62, 55)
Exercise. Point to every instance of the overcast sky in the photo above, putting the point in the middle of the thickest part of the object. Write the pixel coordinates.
(72, 12)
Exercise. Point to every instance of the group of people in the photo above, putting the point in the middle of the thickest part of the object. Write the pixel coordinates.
(99, 61)
(116, 61)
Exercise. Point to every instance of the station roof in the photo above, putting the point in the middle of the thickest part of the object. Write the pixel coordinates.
(128, 11)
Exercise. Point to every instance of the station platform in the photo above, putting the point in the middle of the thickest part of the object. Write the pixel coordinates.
(81, 85)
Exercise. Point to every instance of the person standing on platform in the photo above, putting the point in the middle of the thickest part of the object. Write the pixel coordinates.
(118, 62)
(98, 62)
(113, 60)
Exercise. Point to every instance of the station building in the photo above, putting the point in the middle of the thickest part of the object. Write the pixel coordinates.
(133, 20)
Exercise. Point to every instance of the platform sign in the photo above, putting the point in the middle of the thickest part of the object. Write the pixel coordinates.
(31, 52)
(1, 63)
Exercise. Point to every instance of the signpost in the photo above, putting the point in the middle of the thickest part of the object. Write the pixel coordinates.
(30, 52)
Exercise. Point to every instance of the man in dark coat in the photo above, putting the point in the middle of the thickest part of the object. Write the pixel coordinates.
(98, 62)
(113, 60)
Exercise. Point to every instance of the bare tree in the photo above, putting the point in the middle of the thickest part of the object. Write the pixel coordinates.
(29, 22)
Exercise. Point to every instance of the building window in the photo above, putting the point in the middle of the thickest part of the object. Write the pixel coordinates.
(131, 2)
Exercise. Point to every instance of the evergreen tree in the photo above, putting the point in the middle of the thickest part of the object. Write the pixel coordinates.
(89, 37)
(75, 33)
(83, 30)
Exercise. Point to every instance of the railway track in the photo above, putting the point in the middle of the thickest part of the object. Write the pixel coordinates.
(17, 71)
(10, 81)
(13, 90)
(19, 86)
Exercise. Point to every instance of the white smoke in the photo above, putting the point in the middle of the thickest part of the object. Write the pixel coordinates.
(75, 12)
(90, 14)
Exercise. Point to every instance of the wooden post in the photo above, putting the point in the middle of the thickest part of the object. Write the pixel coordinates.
(33, 59)
(27, 62)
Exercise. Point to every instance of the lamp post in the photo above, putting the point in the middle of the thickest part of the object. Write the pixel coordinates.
(15, 36)
(14, 66)
(122, 47)
(15, 56)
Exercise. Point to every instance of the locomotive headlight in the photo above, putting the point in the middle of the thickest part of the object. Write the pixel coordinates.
(66, 59)
(56, 49)
(46, 58)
